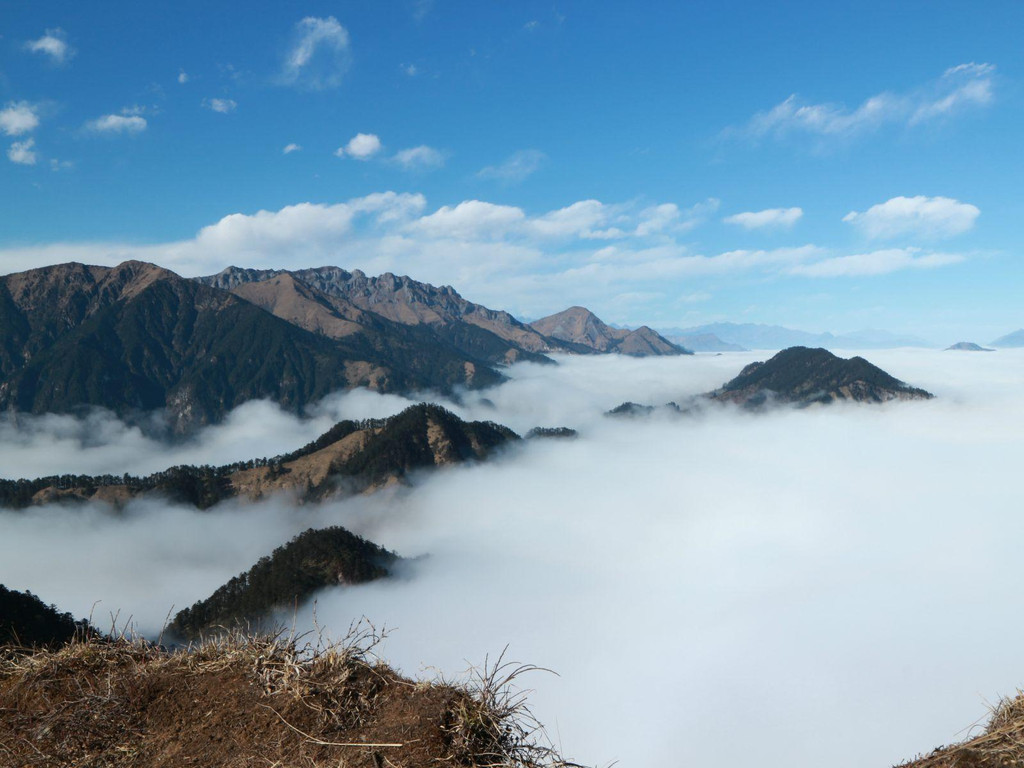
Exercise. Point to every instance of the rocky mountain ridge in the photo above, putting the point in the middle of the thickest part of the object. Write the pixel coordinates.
(493, 335)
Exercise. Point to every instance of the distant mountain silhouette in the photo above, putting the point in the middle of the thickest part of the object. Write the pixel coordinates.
(967, 346)
(581, 327)
(756, 336)
(700, 342)
(804, 376)
(1015, 339)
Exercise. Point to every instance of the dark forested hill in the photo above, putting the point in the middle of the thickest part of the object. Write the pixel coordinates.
(287, 577)
(352, 456)
(803, 376)
(137, 338)
(27, 621)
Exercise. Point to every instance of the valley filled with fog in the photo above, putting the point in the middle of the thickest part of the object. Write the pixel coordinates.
(836, 583)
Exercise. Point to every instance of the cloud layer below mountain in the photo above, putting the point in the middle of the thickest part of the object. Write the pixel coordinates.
(831, 584)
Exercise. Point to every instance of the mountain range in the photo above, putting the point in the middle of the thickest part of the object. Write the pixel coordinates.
(137, 338)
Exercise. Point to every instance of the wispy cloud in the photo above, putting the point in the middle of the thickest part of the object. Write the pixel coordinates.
(182, 76)
(289, 148)
(117, 124)
(517, 167)
(53, 44)
(875, 263)
(919, 216)
(770, 218)
(19, 117)
(421, 158)
(22, 153)
(320, 54)
(959, 89)
(223, 106)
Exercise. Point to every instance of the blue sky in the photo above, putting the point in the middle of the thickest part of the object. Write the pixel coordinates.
(821, 165)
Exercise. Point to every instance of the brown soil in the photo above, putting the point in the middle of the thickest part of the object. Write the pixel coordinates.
(245, 702)
(1001, 745)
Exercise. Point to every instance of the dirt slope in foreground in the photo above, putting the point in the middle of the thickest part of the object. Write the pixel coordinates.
(250, 702)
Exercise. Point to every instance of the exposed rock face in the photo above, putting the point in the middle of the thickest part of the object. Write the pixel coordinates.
(475, 330)
(351, 457)
(137, 337)
(580, 326)
(804, 376)
(967, 346)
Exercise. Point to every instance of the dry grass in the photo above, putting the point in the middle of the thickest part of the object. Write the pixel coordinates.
(493, 725)
(246, 700)
(1000, 745)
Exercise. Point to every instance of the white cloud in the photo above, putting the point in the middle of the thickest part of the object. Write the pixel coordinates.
(585, 219)
(657, 219)
(920, 216)
(421, 158)
(182, 77)
(223, 106)
(53, 44)
(470, 220)
(22, 153)
(516, 167)
(880, 262)
(770, 218)
(289, 148)
(60, 165)
(117, 124)
(362, 146)
(531, 263)
(410, 69)
(320, 54)
(755, 574)
(960, 88)
(18, 117)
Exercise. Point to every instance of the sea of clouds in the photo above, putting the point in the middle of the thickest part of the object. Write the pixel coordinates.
(834, 584)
